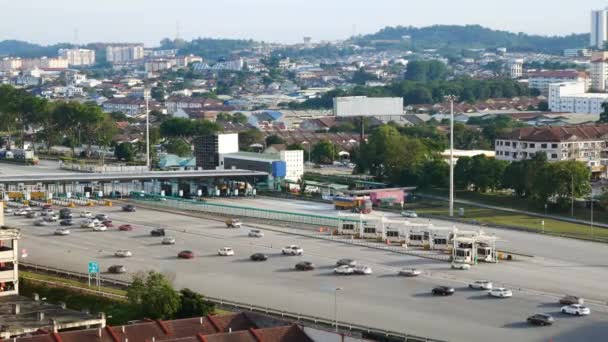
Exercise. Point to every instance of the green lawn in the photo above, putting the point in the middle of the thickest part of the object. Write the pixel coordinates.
(72, 282)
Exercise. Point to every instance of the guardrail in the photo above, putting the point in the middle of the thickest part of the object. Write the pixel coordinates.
(228, 304)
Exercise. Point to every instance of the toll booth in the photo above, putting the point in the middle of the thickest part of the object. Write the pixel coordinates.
(418, 237)
(441, 238)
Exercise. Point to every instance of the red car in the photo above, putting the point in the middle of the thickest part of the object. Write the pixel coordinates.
(47, 206)
(108, 224)
(185, 255)
(126, 228)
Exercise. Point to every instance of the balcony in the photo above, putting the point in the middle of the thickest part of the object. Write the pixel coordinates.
(7, 253)
(8, 275)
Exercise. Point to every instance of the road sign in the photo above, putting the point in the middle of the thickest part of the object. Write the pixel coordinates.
(93, 267)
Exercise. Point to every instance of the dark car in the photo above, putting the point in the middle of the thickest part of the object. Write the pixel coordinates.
(443, 291)
(157, 232)
(66, 223)
(108, 223)
(32, 214)
(125, 227)
(102, 217)
(117, 269)
(185, 255)
(540, 319)
(259, 257)
(67, 214)
(305, 266)
(128, 207)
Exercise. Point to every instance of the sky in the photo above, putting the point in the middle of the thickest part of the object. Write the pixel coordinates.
(287, 21)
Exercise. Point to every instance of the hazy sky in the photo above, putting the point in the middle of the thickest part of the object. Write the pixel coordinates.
(148, 21)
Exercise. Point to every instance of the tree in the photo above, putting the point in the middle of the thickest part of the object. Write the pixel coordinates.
(193, 305)
(323, 152)
(274, 139)
(118, 116)
(295, 147)
(152, 296)
(543, 106)
(361, 77)
(124, 151)
(239, 118)
(178, 146)
(250, 137)
(604, 113)
(186, 128)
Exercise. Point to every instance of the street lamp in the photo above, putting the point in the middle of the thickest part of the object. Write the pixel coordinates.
(147, 98)
(591, 212)
(336, 306)
(451, 99)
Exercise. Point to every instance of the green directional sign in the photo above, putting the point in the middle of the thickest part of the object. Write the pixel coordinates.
(93, 267)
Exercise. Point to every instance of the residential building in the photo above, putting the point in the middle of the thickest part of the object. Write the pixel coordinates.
(570, 97)
(78, 57)
(9, 64)
(44, 63)
(160, 64)
(184, 61)
(599, 28)
(572, 53)
(208, 148)
(542, 79)
(9, 260)
(515, 68)
(128, 105)
(120, 54)
(200, 103)
(294, 164)
(599, 70)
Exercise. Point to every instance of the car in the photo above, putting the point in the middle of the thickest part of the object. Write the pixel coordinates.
(292, 250)
(47, 212)
(51, 218)
(108, 224)
(87, 224)
(344, 269)
(128, 208)
(86, 214)
(32, 214)
(123, 253)
(362, 269)
(47, 206)
(62, 231)
(168, 240)
(41, 222)
(65, 214)
(225, 251)
(125, 227)
(8, 210)
(102, 217)
(481, 285)
(233, 223)
(460, 266)
(409, 213)
(442, 291)
(347, 262)
(67, 222)
(576, 310)
(258, 257)
(570, 299)
(20, 212)
(500, 292)
(540, 319)
(305, 266)
(410, 272)
(117, 269)
(256, 233)
(157, 232)
(100, 228)
(185, 254)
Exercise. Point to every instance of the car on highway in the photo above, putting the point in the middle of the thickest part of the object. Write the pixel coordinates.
(540, 319)
(576, 310)
(47, 212)
(47, 206)
(185, 254)
(168, 240)
(99, 228)
(87, 224)
(41, 222)
(225, 251)
(102, 217)
(125, 227)
(409, 214)
(66, 222)
(362, 269)
(128, 208)
(51, 218)
(481, 285)
(347, 262)
(256, 233)
(409, 272)
(86, 214)
(233, 223)
(259, 257)
(117, 269)
(8, 210)
(292, 250)
(500, 292)
(123, 253)
(20, 212)
(460, 266)
(32, 214)
(570, 299)
(442, 291)
(157, 232)
(305, 266)
(108, 224)
(62, 231)
(65, 213)
(344, 270)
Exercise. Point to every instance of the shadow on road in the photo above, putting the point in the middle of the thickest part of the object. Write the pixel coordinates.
(517, 325)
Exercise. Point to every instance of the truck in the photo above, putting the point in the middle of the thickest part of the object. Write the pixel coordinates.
(355, 204)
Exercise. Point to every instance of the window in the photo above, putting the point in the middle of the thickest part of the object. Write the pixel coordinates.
(553, 145)
(391, 233)
(348, 226)
(370, 230)
(508, 143)
(554, 156)
(532, 145)
(543, 145)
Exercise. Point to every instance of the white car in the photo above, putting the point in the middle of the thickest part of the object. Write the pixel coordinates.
(409, 213)
(46, 212)
(86, 214)
(51, 218)
(20, 212)
(344, 269)
(99, 228)
(576, 310)
(87, 224)
(481, 285)
(362, 269)
(292, 250)
(41, 223)
(500, 292)
(62, 231)
(8, 210)
(256, 233)
(410, 272)
(168, 240)
(225, 251)
(123, 253)
(461, 266)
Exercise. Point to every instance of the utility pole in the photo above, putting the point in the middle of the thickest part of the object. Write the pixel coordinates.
(147, 97)
(572, 197)
(336, 306)
(451, 98)
(591, 212)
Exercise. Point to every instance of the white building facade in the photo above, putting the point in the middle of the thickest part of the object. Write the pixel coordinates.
(515, 68)
(599, 70)
(78, 57)
(570, 97)
(541, 80)
(599, 28)
(294, 162)
(119, 54)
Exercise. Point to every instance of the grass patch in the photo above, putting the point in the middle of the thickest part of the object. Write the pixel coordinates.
(72, 282)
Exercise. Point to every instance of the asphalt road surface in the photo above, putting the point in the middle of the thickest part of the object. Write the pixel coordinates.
(382, 299)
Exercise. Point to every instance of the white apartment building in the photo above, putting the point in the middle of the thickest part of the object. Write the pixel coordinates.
(156, 65)
(119, 54)
(599, 70)
(184, 61)
(515, 68)
(173, 104)
(9, 260)
(294, 161)
(570, 97)
(44, 63)
(9, 64)
(599, 28)
(572, 53)
(128, 105)
(542, 79)
(78, 57)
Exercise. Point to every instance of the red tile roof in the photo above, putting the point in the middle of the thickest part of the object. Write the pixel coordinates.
(559, 133)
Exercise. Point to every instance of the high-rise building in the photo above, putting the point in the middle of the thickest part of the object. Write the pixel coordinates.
(515, 68)
(599, 28)
(208, 148)
(119, 54)
(78, 57)
(599, 70)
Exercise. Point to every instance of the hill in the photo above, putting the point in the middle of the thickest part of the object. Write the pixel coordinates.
(25, 49)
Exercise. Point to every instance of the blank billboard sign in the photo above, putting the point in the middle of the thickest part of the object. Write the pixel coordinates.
(368, 106)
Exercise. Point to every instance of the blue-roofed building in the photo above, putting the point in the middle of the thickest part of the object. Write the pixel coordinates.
(264, 116)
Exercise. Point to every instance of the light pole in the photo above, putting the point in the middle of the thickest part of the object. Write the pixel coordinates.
(451, 98)
(591, 212)
(147, 98)
(572, 197)
(336, 306)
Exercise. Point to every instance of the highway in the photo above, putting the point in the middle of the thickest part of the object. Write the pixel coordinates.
(382, 300)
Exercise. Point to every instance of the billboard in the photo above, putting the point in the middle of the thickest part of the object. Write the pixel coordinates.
(368, 106)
